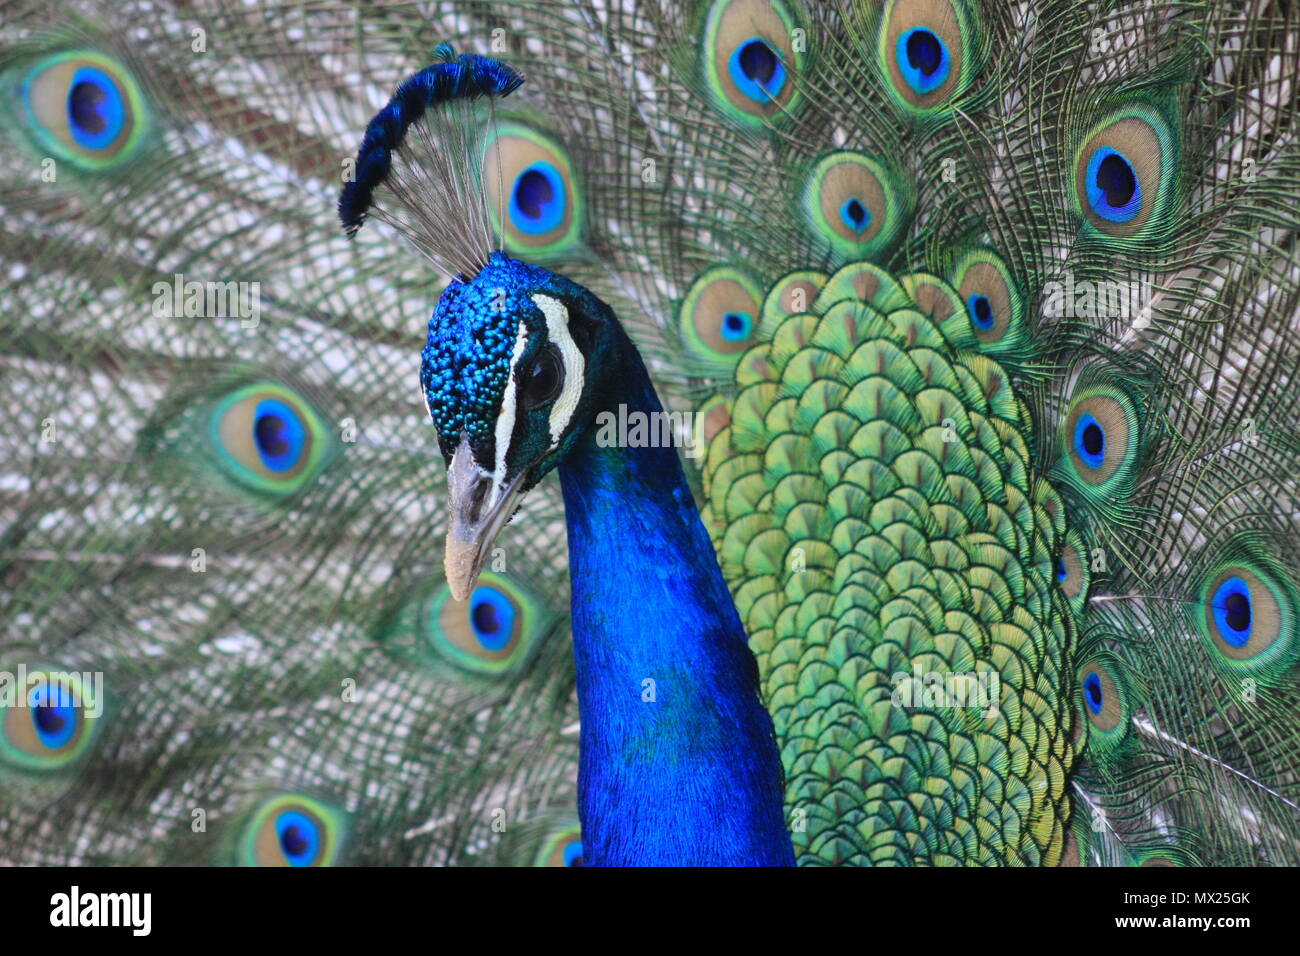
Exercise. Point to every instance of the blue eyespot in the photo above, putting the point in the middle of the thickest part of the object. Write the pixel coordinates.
(981, 311)
(292, 829)
(54, 714)
(855, 215)
(573, 854)
(756, 70)
(1114, 192)
(1092, 693)
(96, 112)
(923, 60)
(1232, 611)
(279, 434)
(1106, 705)
(537, 202)
(85, 108)
(299, 837)
(267, 438)
(1061, 573)
(1090, 441)
(47, 722)
(492, 617)
(737, 326)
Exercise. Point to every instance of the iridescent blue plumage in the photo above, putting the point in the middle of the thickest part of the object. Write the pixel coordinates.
(492, 617)
(1114, 192)
(54, 715)
(537, 201)
(1090, 440)
(299, 837)
(1092, 693)
(1232, 611)
(95, 108)
(678, 761)
(981, 311)
(466, 363)
(279, 434)
(924, 60)
(892, 255)
(756, 70)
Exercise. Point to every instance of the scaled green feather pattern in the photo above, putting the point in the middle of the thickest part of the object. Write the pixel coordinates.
(879, 521)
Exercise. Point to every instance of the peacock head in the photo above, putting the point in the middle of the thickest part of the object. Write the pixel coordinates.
(516, 354)
(515, 362)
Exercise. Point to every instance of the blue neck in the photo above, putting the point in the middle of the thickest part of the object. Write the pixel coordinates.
(679, 764)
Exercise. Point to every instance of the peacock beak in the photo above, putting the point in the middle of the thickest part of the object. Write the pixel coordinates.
(479, 509)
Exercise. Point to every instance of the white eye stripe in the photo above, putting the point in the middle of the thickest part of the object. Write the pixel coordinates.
(506, 419)
(572, 364)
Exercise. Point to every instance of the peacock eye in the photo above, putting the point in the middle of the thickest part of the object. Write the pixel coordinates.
(535, 196)
(293, 830)
(85, 107)
(751, 58)
(1124, 172)
(543, 379)
(52, 727)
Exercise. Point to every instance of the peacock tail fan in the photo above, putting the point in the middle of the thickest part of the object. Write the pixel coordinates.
(987, 316)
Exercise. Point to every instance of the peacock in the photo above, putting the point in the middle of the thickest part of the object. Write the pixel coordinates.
(921, 380)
